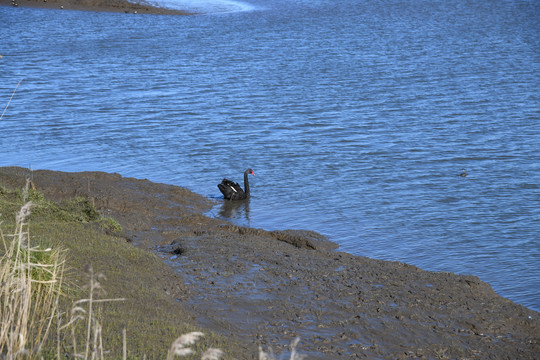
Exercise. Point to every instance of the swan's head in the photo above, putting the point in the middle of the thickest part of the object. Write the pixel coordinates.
(249, 171)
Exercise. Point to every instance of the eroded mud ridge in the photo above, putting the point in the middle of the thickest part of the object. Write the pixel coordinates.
(270, 287)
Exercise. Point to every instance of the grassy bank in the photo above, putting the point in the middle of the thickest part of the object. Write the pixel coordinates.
(99, 294)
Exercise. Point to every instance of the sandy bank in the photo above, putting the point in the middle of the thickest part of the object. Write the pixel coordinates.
(269, 287)
(139, 7)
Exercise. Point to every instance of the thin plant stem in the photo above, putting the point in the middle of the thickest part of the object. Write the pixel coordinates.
(19, 83)
(124, 344)
(90, 317)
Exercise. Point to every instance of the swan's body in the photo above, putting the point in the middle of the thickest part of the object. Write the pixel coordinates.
(233, 191)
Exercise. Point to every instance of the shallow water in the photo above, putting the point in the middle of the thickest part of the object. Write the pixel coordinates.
(356, 117)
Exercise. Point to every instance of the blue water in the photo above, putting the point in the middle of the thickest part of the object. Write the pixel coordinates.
(356, 116)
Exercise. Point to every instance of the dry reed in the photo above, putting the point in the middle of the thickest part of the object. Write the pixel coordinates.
(31, 280)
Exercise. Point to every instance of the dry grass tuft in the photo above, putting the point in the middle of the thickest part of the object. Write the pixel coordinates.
(212, 354)
(178, 347)
(270, 355)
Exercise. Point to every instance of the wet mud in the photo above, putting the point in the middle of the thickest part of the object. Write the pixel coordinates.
(270, 287)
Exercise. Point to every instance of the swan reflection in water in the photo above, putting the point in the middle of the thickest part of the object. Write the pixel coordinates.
(234, 210)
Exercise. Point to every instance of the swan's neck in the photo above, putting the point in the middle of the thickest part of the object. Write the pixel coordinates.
(246, 184)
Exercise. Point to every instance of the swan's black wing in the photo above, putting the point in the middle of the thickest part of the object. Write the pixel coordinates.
(231, 190)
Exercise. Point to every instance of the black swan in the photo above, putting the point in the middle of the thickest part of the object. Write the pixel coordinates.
(233, 191)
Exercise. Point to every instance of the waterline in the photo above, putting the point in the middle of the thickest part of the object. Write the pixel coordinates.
(205, 6)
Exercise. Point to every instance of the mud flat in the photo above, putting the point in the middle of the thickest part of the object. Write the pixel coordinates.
(135, 6)
(271, 287)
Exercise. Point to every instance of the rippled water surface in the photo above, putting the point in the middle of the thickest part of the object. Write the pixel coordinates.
(356, 116)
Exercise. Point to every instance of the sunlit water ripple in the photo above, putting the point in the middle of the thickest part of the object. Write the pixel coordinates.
(356, 117)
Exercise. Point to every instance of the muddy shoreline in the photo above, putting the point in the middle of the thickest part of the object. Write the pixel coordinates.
(270, 287)
(133, 7)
